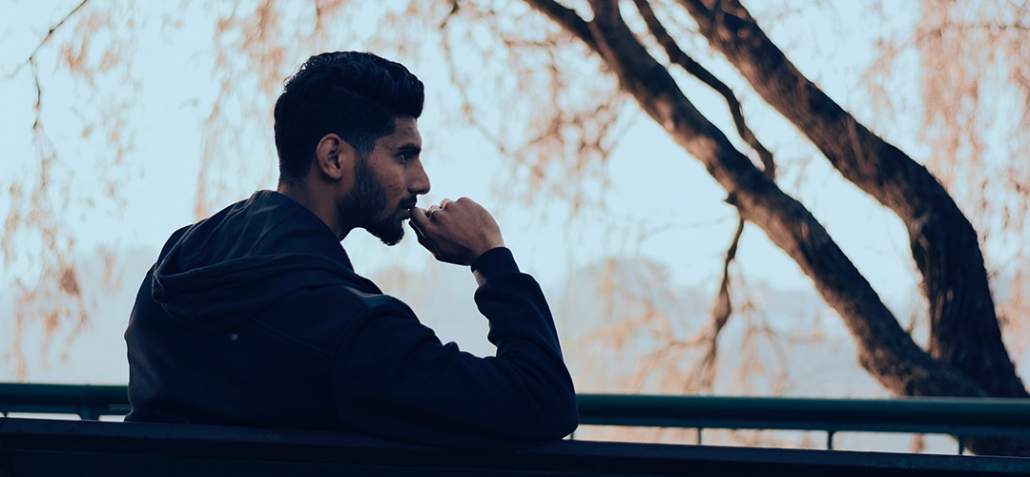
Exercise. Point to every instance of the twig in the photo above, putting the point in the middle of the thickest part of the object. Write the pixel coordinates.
(455, 6)
(37, 105)
(720, 313)
(33, 62)
(467, 106)
(46, 39)
(723, 305)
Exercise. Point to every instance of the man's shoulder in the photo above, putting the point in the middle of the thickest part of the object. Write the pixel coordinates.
(351, 297)
(320, 316)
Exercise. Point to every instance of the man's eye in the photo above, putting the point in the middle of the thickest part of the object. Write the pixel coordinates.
(407, 156)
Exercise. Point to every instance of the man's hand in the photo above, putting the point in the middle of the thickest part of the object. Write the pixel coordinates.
(456, 232)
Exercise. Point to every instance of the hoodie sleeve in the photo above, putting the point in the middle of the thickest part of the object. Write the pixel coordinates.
(394, 378)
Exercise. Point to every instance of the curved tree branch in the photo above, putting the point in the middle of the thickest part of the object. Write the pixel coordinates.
(567, 18)
(964, 327)
(678, 56)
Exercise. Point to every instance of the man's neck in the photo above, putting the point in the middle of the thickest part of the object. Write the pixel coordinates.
(317, 204)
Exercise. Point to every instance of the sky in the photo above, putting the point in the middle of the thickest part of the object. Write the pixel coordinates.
(661, 206)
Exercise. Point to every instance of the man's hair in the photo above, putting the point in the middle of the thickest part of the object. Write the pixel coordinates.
(355, 95)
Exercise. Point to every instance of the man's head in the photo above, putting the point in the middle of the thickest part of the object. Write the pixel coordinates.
(347, 135)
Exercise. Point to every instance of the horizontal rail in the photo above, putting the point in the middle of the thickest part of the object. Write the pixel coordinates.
(88, 401)
(956, 416)
(60, 448)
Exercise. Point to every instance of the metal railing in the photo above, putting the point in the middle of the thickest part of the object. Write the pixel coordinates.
(959, 417)
(962, 418)
(59, 448)
(88, 401)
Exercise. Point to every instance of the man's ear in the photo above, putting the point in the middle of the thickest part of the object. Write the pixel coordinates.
(334, 157)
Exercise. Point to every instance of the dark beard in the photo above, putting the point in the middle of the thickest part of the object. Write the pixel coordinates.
(367, 202)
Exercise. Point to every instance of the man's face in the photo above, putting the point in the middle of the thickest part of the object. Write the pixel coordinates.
(387, 182)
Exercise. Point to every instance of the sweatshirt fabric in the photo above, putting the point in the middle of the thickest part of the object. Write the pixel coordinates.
(255, 317)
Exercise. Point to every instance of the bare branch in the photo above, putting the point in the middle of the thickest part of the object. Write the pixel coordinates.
(979, 26)
(318, 16)
(46, 39)
(37, 105)
(467, 107)
(722, 310)
(455, 6)
(720, 314)
(567, 18)
(33, 62)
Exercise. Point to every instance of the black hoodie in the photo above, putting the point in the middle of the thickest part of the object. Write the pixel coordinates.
(255, 317)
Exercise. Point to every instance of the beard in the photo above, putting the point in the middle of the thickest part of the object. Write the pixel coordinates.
(367, 202)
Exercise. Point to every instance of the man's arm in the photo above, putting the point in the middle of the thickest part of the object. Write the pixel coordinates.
(397, 380)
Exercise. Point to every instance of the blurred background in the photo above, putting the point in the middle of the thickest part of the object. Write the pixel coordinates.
(123, 121)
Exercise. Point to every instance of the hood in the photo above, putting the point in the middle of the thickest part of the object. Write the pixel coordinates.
(228, 267)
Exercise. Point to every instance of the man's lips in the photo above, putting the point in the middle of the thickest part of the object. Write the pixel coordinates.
(405, 208)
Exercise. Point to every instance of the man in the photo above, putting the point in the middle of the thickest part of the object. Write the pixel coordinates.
(254, 316)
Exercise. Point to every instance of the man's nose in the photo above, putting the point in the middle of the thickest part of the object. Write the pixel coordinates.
(420, 181)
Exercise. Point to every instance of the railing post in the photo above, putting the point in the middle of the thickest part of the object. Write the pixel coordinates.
(699, 435)
(88, 412)
(961, 444)
(829, 439)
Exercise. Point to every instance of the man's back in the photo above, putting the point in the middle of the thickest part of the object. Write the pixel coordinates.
(255, 317)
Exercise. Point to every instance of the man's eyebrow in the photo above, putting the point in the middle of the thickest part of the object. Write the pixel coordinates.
(409, 147)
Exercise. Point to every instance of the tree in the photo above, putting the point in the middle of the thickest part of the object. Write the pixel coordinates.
(577, 123)
(966, 355)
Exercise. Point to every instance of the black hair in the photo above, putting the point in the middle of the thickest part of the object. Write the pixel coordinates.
(353, 94)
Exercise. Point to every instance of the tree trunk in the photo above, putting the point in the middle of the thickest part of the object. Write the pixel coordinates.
(964, 331)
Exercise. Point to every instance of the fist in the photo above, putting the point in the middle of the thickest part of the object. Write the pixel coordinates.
(457, 231)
